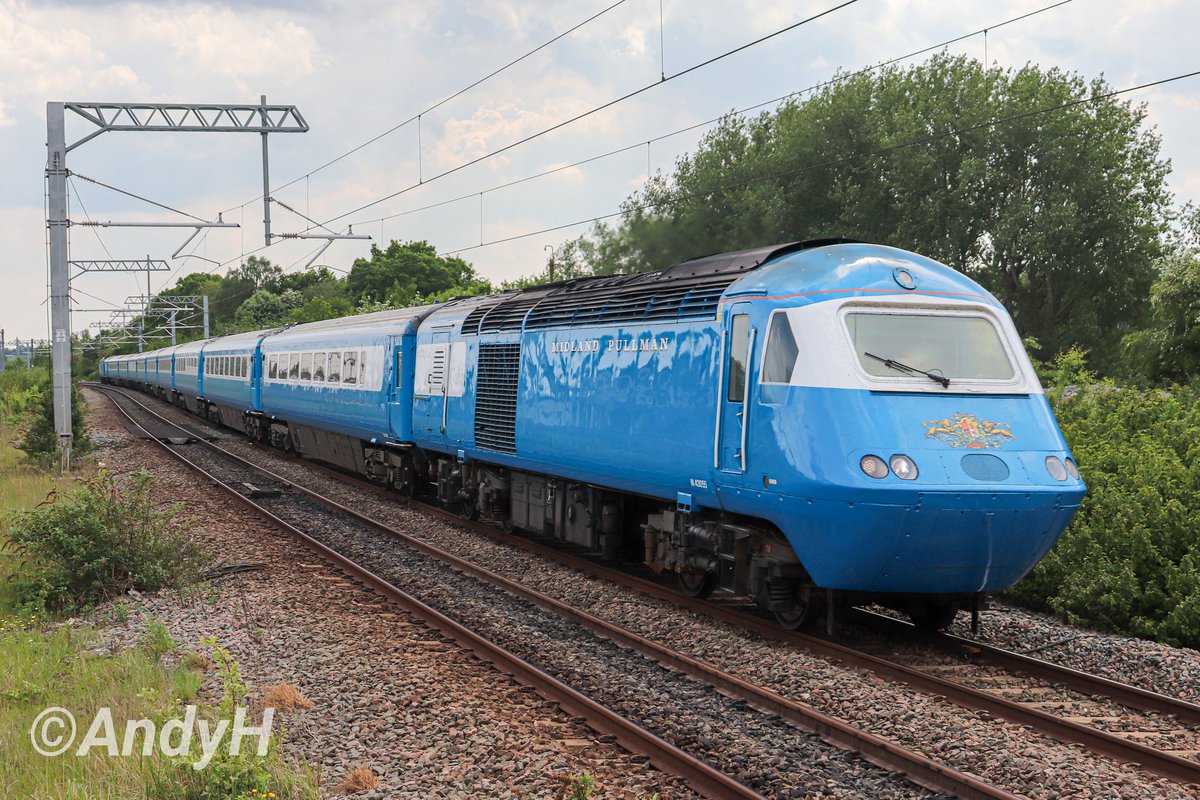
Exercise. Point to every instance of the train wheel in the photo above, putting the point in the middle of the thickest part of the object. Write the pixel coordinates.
(469, 510)
(932, 617)
(803, 613)
(697, 584)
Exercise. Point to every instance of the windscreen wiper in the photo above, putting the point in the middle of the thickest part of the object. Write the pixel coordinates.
(896, 365)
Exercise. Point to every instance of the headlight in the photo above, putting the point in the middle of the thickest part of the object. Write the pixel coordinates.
(1056, 469)
(1072, 469)
(873, 466)
(903, 467)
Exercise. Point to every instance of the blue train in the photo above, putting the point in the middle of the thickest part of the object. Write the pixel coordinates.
(818, 422)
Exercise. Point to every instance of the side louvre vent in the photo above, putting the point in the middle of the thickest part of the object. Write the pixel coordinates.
(496, 397)
(688, 290)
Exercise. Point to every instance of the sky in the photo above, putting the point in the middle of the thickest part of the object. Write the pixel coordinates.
(357, 70)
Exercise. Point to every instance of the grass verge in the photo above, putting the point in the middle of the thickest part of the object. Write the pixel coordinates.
(44, 665)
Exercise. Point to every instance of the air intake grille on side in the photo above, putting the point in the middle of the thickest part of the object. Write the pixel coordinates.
(496, 397)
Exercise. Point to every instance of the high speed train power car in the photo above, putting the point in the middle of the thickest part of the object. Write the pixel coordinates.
(820, 421)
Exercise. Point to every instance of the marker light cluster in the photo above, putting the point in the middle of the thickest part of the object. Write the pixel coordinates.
(1059, 470)
(899, 465)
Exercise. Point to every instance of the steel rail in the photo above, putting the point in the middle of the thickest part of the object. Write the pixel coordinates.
(699, 776)
(877, 750)
(1100, 742)
(1084, 682)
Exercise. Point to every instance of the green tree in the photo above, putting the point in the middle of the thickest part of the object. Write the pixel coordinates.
(41, 440)
(406, 273)
(1169, 350)
(1060, 214)
(239, 284)
(265, 309)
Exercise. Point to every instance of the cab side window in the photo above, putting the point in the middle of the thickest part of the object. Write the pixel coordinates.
(739, 342)
(780, 356)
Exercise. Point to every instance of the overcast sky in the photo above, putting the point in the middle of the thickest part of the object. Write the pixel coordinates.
(355, 70)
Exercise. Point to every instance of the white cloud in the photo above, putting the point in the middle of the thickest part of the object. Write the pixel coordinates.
(249, 50)
(497, 125)
(634, 38)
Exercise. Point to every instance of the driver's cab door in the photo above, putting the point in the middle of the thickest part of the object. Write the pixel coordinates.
(733, 405)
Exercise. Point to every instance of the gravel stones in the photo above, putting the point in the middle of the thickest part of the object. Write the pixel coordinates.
(432, 721)
(999, 752)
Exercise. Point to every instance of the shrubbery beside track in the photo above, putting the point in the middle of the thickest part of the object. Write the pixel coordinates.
(1130, 560)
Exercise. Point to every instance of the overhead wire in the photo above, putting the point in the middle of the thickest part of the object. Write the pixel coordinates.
(136, 196)
(835, 161)
(790, 95)
(831, 162)
(705, 123)
(597, 109)
(576, 118)
(416, 117)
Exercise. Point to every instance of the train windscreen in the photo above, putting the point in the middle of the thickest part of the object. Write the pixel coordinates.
(946, 345)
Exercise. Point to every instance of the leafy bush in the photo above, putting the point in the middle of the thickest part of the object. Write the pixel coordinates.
(41, 440)
(102, 539)
(1130, 560)
(20, 393)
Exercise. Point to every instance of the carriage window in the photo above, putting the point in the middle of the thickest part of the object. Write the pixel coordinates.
(362, 368)
(335, 368)
(273, 367)
(780, 356)
(306, 367)
(319, 367)
(351, 368)
(293, 367)
(739, 342)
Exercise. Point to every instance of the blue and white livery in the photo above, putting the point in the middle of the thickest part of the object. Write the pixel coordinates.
(812, 422)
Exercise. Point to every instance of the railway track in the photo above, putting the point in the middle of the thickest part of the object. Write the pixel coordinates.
(264, 491)
(1113, 719)
(973, 675)
(1170, 725)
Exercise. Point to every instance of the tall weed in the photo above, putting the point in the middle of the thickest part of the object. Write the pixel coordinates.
(102, 539)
